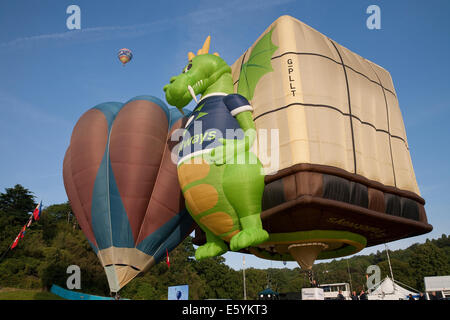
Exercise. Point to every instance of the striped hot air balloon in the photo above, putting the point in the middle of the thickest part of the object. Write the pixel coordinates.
(123, 186)
(125, 55)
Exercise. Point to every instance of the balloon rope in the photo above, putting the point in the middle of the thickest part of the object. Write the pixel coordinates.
(310, 276)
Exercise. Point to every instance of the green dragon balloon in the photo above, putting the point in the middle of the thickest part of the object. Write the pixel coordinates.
(221, 179)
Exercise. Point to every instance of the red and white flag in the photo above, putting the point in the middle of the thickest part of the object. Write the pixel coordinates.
(167, 258)
(16, 241)
(37, 212)
(22, 232)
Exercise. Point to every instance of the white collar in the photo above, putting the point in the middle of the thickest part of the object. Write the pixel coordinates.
(212, 94)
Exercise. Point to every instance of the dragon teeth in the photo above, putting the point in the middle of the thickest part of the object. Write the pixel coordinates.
(191, 91)
(197, 84)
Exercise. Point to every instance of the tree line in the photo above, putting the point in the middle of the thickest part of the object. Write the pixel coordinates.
(54, 242)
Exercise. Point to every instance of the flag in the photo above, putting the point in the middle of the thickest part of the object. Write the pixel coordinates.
(16, 241)
(37, 211)
(167, 258)
(22, 232)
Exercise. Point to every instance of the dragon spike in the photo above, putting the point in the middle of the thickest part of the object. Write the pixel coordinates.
(205, 48)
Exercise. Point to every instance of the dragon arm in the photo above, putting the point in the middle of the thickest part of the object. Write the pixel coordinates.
(231, 147)
(247, 124)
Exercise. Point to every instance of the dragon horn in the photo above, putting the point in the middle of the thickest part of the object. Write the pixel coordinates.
(191, 56)
(205, 48)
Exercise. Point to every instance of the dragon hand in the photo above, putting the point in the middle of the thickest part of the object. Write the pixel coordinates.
(230, 149)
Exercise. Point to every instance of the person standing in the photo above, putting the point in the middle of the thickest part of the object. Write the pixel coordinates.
(433, 296)
(363, 295)
(340, 296)
(354, 296)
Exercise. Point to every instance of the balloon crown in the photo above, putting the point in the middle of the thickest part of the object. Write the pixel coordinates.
(203, 50)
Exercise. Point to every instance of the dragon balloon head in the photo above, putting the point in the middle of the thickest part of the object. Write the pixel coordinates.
(201, 73)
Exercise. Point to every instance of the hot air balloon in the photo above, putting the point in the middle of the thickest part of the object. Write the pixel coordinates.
(125, 55)
(339, 176)
(123, 186)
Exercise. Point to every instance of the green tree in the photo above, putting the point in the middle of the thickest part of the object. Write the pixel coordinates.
(428, 260)
(17, 201)
(51, 216)
(15, 205)
(222, 281)
(401, 270)
(54, 269)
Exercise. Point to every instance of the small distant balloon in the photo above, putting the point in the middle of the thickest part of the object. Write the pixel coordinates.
(125, 55)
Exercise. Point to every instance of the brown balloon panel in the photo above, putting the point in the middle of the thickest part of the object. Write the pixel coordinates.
(122, 185)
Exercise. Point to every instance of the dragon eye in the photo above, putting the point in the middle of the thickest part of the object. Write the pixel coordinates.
(186, 69)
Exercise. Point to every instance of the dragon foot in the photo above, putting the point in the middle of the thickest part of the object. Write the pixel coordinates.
(211, 249)
(247, 238)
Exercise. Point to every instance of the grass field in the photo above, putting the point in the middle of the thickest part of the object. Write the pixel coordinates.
(24, 294)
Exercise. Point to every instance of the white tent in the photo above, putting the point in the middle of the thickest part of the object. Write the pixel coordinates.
(389, 290)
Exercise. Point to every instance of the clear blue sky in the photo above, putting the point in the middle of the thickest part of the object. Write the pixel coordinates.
(49, 76)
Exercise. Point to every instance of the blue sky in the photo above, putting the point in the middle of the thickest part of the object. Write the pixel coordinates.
(49, 75)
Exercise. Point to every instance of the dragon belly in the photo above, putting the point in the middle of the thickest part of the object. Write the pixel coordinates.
(202, 189)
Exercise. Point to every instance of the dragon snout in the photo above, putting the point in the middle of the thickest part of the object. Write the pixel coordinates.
(172, 80)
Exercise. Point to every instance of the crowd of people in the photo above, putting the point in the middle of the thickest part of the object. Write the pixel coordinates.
(362, 295)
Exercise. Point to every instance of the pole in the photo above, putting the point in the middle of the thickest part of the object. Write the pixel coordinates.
(4, 254)
(389, 261)
(349, 276)
(243, 264)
